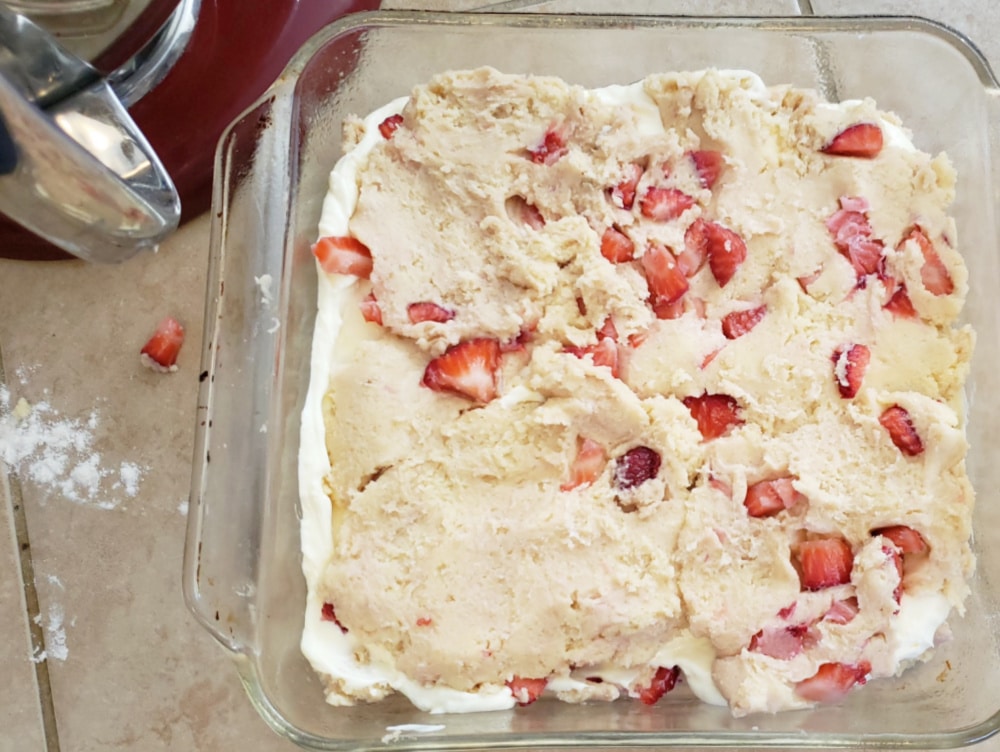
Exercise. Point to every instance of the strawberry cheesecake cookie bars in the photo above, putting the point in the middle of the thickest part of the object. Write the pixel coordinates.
(615, 389)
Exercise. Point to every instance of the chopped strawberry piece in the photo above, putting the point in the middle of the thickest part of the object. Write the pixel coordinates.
(587, 465)
(715, 414)
(664, 277)
(896, 420)
(707, 360)
(665, 310)
(783, 643)
(424, 621)
(708, 164)
(934, 274)
(900, 305)
(636, 466)
(906, 539)
(520, 342)
(160, 351)
(604, 353)
(328, 614)
(720, 485)
(695, 252)
(854, 204)
(663, 681)
(623, 194)
(636, 340)
(825, 562)
(343, 255)
(842, 611)
(738, 323)
(807, 279)
(768, 497)
(468, 369)
(664, 204)
(552, 148)
(608, 330)
(370, 309)
(427, 311)
(788, 610)
(832, 681)
(895, 558)
(526, 691)
(616, 246)
(724, 249)
(849, 365)
(860, 140)
(519, 210)
(852, 235)
(388, 126)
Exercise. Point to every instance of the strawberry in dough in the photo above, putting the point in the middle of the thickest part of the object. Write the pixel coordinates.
(630, 394)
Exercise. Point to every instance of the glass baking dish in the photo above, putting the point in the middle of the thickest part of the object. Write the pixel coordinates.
(242, 566)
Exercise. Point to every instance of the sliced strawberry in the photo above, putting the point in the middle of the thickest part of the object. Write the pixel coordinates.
(695, 252)
(616, 246)
(160, 351)
(388, 126)
(343, 255)
(608, 330)
(328, 614)
(665, 310)
(427, 311)
(663, 681)
(708, 164)
(849, 365)
(895, 558)
(934, 274)
(832, 681)
(520, 342)
(424, 621)
(896, 420)
(788, 610)
(468, 369)
(552, 148)
(725, 249)
(852, 235)
(587, 465)
(899, 304)
(526, 691)
(664, 277)
(807, 279)
(842, 611)
(906, 539)
(768, 497)
(519, 210)
(715, 414)
(860, 140)
(636, 466)
(604, 353)
(825, 562)
(738, 323)
(707, 360)
(664, 204)
(623, 194)
(783, 643)
(370, 309)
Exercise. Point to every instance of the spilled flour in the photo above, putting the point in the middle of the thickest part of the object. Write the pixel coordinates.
(57, 453)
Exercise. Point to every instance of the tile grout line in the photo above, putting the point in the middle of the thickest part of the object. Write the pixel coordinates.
(32, 608)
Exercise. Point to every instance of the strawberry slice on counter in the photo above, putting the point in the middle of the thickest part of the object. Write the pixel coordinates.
(859, 140)
(715, 414)
(616, 246)
(849, 365)
(370, 309)
(896, 420)
(738, 323)
(825, 562)
(425, 310)
(664, 278)
(708, 163)
(832, 681)
(389, 126)
(664, 680)
(587, 465)
(900, 305)
(768, 497)
(160, 351)
(934, 274)
(343, 255)
(526, 691)
(623, 194)
(905, 538)
(328, 614)
(551, 149)
(723, 247)
(664, 204)
(636, 466)
(468, 369)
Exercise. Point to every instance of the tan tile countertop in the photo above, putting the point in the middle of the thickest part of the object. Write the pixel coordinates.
(97, 651)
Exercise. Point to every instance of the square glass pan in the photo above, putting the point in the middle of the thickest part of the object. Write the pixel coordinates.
(242, 567)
